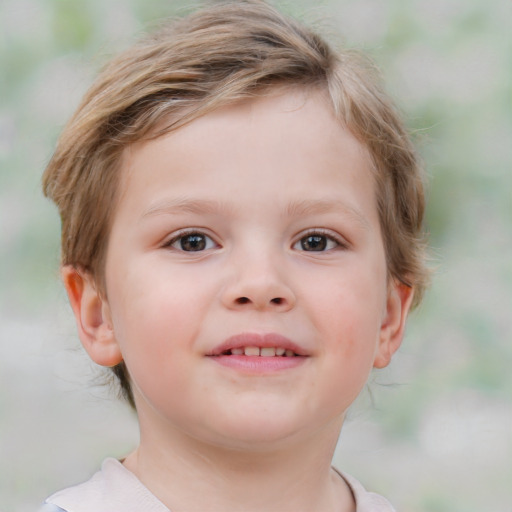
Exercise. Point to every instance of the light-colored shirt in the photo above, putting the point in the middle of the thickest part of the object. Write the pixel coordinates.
(116, 489)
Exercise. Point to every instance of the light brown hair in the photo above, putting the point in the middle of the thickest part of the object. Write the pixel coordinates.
(193, 65)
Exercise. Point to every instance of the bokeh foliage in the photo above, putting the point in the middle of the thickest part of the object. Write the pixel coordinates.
(444, 409)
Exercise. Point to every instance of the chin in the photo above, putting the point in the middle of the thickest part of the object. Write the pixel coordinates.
(260, 442)
(261, 432)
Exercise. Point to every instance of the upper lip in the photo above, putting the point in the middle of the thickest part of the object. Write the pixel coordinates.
(261, 340)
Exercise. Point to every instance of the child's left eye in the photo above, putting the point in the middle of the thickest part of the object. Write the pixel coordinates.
(316, 242)
(191, 242)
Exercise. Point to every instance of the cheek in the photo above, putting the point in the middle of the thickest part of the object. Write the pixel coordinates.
(152, 320)
(152, 337)
(349, 320)
(351, 307)
(352, 343)
(349, 356)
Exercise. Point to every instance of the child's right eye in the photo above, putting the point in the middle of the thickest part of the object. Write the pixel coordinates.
(191, 242)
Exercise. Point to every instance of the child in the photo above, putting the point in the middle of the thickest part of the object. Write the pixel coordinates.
(241, 243)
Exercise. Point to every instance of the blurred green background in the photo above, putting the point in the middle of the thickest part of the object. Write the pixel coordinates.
(434, 431)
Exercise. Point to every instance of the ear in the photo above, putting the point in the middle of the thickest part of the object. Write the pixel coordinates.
(92, 315)
(398, 304)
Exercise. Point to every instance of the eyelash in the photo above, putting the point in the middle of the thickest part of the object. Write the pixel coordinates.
(326, 235)
(188, 233)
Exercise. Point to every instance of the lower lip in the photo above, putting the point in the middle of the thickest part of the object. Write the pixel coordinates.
(259, 364)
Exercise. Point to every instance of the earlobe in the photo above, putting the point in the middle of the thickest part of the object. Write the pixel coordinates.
(92, 315)
(398, 304)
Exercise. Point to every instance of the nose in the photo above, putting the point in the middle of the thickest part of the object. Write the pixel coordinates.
(258, 284)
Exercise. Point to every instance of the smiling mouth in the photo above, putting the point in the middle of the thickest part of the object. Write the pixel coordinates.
(259, 345)
(260, 352)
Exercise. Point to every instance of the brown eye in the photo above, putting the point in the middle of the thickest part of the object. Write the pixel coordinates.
(192, 242)
(317, 242)
(313, 243)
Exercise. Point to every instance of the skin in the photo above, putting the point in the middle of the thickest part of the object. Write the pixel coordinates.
(251, 182)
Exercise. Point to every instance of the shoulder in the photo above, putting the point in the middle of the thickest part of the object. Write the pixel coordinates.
(366, 501)
(112, 489)
(48, 507)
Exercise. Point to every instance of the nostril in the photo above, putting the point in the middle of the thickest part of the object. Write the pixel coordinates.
(245, 300)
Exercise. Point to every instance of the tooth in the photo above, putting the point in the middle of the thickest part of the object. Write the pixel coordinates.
(268, 351)
(280, 351)
(252, 351)
(289, 353)
(237, 351)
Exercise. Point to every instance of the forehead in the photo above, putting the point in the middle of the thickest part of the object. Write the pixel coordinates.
(283, 104)
(288, 130)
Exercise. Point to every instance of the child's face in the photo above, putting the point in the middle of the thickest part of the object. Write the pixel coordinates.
(253, 226)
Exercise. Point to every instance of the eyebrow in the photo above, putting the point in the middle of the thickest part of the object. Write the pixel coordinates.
(297, 208)
(320, 206)
(185, 205)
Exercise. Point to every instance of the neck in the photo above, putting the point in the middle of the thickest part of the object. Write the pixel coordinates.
(186, 474)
